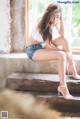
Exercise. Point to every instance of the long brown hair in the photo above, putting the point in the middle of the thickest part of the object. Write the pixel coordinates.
(45, 23)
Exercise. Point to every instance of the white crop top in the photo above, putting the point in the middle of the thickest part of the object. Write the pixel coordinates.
(36, 35)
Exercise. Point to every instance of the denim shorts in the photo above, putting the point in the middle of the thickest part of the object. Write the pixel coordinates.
(31, 49)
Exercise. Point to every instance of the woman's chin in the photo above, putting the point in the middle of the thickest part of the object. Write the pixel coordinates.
(53, 24)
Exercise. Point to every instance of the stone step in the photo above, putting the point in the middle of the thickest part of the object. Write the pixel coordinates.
(61, 104)
(40, 82)
(66, 107)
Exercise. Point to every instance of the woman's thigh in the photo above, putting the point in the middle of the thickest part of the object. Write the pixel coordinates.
(46, 55)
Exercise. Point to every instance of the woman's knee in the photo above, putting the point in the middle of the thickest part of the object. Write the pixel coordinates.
(62, 55)
(69, 54)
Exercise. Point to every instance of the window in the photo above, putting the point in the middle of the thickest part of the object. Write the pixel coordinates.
(75, 28)
(71, 18)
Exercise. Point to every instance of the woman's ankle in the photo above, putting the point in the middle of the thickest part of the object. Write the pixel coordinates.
(63, 85)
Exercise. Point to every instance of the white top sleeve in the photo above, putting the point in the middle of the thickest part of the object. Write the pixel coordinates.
(36, 35)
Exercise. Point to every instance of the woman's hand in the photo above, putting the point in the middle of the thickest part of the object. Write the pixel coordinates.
(50, 46)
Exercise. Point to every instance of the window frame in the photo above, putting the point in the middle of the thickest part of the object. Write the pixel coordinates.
(26, 19)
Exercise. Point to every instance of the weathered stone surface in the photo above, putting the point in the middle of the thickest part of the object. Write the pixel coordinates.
(44, 87)
(40, 82)
(67, 107)
(5, 42)
(61, 104)
(17, 25)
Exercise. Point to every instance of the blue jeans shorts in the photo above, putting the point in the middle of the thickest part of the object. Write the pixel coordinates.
(31, 49)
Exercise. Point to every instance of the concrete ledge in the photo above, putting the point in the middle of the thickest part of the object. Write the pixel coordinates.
(10, 63)
(14, 56)
(24, 55)
(19, 62)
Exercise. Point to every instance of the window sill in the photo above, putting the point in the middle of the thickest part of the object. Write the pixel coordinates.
(24, 56)
(75, 51)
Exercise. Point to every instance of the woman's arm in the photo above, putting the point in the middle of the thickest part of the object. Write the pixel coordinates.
(60, 27)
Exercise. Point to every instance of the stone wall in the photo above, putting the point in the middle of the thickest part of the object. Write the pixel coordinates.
(17, 25)
(12, 26)
(5, 26)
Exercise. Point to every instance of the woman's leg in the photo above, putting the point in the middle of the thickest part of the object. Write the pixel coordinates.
(65, 46)
(46, 55)
(62, 41)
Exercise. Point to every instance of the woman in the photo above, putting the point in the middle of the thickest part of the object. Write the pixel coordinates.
(42, 47)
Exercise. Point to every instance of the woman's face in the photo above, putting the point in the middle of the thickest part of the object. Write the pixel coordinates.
(55, 17)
